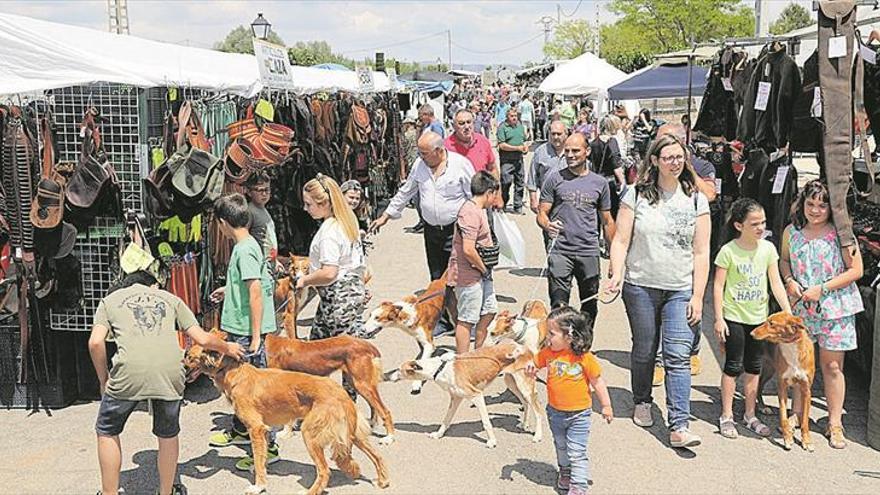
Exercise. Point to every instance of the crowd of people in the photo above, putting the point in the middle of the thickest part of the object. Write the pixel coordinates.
(594, 194)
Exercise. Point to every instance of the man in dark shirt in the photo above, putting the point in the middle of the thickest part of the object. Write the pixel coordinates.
(570, 199)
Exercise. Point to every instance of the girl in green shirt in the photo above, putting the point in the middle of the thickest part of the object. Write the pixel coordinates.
(743, 268)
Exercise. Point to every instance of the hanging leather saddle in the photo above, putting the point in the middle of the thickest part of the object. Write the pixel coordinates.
(93, 188)
(359, 128)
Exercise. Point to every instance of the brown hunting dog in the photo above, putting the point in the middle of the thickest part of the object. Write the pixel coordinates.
(528, 329)
(295, 300)
(356, 358)
(795, 367)
(264, 398)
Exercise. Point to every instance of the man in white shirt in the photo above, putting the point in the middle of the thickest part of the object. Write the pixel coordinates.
(442, 181)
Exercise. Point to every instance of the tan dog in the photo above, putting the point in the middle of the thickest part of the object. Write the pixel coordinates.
(264, 398)
(795, 367)
(295, 300)
(415, 315)
(528, 329)
(356, 358)
(467, 375)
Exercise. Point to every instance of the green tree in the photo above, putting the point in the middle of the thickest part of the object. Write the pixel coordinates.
(315, 52)
(793, 16)
(623, 47)
(241, 40)
(668, 25)
(570, 39)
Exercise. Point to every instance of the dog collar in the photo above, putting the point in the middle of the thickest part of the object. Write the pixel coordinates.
(440, 369)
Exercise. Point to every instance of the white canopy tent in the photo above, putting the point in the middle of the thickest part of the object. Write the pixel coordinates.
(584, 75)
(37, 55)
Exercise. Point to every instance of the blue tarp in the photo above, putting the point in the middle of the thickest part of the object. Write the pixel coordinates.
(331, 66)
(662, 81)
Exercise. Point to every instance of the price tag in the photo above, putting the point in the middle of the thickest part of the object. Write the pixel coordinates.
(868, 55)
(837, 47)
(816, 106)
(763, 96)
(725, 81)
(717, 186)
(779, 180)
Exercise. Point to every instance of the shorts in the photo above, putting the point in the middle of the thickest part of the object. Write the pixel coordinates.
(833, 335)
(476, 300)
(114, 413)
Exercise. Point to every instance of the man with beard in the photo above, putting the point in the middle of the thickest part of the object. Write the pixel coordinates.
(570, 200)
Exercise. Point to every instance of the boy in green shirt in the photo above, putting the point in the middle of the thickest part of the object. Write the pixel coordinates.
(248, 309)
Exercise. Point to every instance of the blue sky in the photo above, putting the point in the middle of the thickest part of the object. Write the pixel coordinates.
(356, 28)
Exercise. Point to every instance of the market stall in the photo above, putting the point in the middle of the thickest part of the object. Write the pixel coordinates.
(114, 138)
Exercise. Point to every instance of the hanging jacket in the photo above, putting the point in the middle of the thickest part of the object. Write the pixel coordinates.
(806, 127)
(770, 128)
(718, 110)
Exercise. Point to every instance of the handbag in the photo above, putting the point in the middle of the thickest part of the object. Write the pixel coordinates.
(489, 254)
(93, 188)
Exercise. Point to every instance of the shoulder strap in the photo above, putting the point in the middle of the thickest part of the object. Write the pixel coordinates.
(48, 151)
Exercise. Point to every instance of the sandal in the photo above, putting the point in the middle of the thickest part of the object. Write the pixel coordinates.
(835, 437)
(727, 427)
(756, 426)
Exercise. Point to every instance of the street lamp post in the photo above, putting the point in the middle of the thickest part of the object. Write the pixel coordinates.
(261, 27)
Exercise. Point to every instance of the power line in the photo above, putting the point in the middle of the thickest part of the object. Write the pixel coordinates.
(399, 43)
(575, 9)
(488, 52)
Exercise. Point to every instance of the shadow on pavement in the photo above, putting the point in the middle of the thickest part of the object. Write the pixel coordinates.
(539, 473)
(210, 463)
(200, 391)
(620, 359)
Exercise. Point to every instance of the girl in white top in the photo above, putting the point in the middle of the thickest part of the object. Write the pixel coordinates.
(336, 259)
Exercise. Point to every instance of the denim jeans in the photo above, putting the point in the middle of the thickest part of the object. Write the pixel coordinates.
(657, 315)
(259, 361)
(571, 434)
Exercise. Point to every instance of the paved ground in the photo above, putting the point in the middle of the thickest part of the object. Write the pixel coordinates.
(54, 452)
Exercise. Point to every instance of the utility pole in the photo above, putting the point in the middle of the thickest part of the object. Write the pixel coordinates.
(596, 35)
(547, 22)
(117, 12)
(558, 14)
(449, 45)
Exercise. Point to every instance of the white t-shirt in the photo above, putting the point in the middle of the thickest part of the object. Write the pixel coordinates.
(661, 250)
(330, 246)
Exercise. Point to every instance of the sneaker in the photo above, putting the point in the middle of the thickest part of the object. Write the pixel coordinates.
(246, 463)
(578, 490)
(696, 365)
(659, 376)
(227, 438)
(683, 438)
(176, 489)
(563, 479)
(642, 415)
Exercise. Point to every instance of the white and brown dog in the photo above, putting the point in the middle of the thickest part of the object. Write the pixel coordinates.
(415, 315)
(466, 376)
(528, 329)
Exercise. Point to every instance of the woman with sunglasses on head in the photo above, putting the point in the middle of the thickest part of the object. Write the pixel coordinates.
(821, 276)
(660, 259)
(336, 259)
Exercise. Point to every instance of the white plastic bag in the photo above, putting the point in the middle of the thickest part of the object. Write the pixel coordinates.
(512, 246)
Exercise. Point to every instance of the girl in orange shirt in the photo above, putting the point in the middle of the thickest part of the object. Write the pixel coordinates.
(571, 369)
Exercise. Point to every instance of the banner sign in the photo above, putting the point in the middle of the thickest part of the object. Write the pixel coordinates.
(275, 72)
(365, 79)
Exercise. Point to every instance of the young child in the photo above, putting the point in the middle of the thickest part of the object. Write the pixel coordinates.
(743, 267)
(822, 274)
(248, 308)
(571, 369)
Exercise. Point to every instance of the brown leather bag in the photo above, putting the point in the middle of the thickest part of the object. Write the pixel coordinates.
(359, 129)
(48, 206)
(93, 188)
(321, 135)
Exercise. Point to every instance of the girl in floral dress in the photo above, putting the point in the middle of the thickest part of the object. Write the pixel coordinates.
(820, 275)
